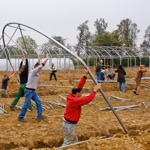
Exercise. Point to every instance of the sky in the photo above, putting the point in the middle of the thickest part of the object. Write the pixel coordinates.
(62, 17)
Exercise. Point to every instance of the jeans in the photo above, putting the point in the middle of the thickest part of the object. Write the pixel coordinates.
(70, 135)
(20, 94)
(98, 74)
(52, 74)
(30, 94)
(122, 86)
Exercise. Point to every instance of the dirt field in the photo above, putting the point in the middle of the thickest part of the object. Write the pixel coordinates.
(97, 129)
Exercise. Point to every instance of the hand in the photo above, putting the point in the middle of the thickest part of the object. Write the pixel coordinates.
(47, 56)
(86, 72)
(22, 58)
(26, 56)
(97, 87)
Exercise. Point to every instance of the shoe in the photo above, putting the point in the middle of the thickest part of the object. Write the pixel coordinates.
(41, 117)
(135, 93)
(124, 90)
(29, 109)
(12, 108)
(22, 120)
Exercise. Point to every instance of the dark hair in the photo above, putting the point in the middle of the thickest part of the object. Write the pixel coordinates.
(120, 68)
(37, 64)
(5, 75)
(76, 89)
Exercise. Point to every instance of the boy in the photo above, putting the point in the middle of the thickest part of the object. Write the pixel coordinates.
(4, 85)
(138, 79)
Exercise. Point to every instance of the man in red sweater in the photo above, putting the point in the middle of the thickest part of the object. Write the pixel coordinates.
(73, 110)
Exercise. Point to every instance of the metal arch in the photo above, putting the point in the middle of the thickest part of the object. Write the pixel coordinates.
(102, 51)
(144, 53)
(139, 54)
(120, 50)
(123, 51)
(16, 44)
(108, 54)
(97, 49)
(96, 54)
(92, 52)
(79, 59)
(110, 49)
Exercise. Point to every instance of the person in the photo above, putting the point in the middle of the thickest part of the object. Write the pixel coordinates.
(5, 80)
(53, 72)
(111, 76)
(73, 110)
(103, 73)
(107, 70)
(23, 74)
(99, 67)
(139, 75)
(30, 92)
(121, 78)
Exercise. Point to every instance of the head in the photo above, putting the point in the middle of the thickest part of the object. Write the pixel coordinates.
(120, 67)
(100, 61)
(5, 75)
(36, 65)
(109, 76)
(77, 91)
(142, 67)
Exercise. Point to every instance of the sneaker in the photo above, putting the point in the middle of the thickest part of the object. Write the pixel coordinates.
(22, 120)
(29, 109)
(41, 117)
(124, 90)
(12, 108)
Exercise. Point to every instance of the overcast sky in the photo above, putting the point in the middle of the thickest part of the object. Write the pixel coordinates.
(62, 17)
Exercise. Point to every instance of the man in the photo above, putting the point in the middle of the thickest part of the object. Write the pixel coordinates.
(73, 110)
(30, 92)
(53, 72)
(5, 80)
(99, 67)
(23, 74)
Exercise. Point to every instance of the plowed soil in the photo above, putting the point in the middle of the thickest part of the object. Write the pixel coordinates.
(97, 129)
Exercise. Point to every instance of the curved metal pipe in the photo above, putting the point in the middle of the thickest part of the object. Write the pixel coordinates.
(83, 63)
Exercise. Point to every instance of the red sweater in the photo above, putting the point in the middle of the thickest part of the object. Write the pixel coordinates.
(73, 105)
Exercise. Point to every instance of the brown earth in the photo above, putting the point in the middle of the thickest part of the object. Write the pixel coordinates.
(94, 123)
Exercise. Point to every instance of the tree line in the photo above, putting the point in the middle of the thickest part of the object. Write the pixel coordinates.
(124, 35)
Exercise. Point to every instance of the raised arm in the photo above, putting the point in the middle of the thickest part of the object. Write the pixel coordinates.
(22, 60)
(45, 61)
(11, 75)
(83, 79)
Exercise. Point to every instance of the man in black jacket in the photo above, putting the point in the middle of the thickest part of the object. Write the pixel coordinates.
(23, 74)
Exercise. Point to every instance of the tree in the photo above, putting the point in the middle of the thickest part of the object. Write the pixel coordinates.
(27, 43)
(128, 32)
(84, 34)
(59, 39)
(146, 42)
(107, 39)
(100, 25)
